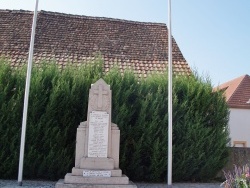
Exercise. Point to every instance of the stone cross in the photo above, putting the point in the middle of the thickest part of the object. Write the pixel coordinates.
(100, 92)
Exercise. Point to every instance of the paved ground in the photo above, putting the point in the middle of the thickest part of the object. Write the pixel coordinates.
(51, 184)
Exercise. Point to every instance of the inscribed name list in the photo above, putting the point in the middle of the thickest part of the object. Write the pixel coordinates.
(98, 134)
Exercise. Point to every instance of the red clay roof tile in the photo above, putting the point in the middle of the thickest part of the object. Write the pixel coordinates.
(70, 38)
(237, 92)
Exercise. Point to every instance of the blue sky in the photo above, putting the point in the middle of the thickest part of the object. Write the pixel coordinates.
(213, 35)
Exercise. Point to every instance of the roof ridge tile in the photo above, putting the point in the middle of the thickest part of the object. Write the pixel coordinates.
(81, 16)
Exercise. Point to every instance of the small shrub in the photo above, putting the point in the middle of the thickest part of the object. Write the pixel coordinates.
(240, 178)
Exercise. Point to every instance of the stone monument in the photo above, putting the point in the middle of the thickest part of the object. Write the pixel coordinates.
(97, 146)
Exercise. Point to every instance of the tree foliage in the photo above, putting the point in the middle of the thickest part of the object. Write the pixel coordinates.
(58, 103)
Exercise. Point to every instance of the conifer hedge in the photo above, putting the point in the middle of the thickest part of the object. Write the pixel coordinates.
(58, 103)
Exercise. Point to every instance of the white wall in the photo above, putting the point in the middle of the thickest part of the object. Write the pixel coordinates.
(239, 125)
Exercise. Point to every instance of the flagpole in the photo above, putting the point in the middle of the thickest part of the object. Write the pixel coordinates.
(170, 108)
(26, 97)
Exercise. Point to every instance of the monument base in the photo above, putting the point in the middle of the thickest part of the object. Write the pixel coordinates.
(71, 181)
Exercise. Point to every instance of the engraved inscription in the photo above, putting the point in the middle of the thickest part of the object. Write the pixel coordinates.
(95, 173)
(98, 134)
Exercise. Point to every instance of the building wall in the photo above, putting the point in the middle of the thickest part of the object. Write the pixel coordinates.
(239, 124)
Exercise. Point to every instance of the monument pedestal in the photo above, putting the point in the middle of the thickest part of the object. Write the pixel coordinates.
(96, 163)
(97, 146)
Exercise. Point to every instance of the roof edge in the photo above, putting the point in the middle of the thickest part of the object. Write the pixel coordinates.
(243, 77)
(239, 107)
(17, 11)
(84, 16)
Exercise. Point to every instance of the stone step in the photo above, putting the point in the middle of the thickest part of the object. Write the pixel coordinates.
(61, 184)
(95, 180)
(79, 172)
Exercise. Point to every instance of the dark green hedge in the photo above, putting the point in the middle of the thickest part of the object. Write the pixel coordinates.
(58, 103)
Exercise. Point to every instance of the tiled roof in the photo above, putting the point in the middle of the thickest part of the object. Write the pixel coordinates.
(75, 39)
(237, 92)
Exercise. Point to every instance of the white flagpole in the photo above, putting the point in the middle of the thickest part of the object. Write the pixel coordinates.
(26, 97)
(170, 108)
